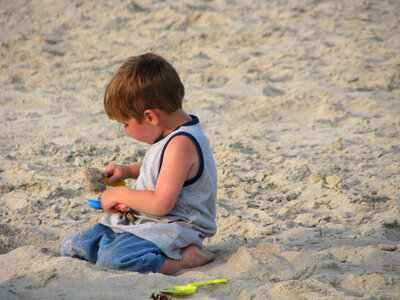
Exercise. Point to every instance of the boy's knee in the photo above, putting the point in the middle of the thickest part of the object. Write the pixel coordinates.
(148, 263)
(70, 248)
(66, 249)
(122, 262)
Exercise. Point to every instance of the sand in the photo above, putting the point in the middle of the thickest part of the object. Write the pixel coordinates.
(301, 103)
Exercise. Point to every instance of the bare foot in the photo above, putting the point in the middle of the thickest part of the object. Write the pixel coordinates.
(192, 256)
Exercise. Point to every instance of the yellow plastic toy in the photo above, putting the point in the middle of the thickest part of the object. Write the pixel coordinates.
(184, 290)
(96, 180)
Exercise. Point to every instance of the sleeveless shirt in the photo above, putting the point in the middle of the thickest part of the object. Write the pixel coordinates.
(193, 217)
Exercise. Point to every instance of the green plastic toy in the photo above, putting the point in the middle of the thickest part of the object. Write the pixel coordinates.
(184, 290)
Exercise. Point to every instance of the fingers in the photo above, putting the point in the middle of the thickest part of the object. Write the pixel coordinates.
(107, 202)
(113, 172)
(109, 170)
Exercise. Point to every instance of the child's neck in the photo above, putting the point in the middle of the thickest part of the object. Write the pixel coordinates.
(170, 122)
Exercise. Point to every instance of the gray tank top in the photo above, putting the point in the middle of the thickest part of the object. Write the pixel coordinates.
(193, 217)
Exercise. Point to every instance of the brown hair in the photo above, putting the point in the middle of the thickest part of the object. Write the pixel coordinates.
(143, 82)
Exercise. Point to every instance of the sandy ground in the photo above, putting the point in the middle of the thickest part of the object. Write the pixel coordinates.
(300, 100)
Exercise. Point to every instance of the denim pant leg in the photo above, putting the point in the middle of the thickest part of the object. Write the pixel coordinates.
(131, 253)
(86, 245)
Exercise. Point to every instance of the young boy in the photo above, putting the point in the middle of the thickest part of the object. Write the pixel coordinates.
(174, 196)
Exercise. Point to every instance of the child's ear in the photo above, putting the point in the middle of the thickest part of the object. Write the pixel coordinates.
(151, 116)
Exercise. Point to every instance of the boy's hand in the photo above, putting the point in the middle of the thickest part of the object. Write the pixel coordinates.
(111, 199)
(115, 173)
(108, 200)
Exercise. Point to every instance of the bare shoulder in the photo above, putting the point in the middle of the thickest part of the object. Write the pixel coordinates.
(183, 154)
(182, 144)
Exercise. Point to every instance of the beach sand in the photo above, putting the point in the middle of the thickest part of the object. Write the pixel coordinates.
(300, 101)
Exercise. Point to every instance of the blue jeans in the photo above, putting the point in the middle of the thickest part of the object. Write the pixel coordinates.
(123, 251)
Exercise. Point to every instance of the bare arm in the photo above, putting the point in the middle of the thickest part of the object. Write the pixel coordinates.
(181, 162)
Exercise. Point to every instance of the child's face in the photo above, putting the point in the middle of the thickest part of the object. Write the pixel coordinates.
(142, 131)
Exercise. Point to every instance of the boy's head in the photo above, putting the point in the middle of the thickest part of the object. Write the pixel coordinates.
(143, 82)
